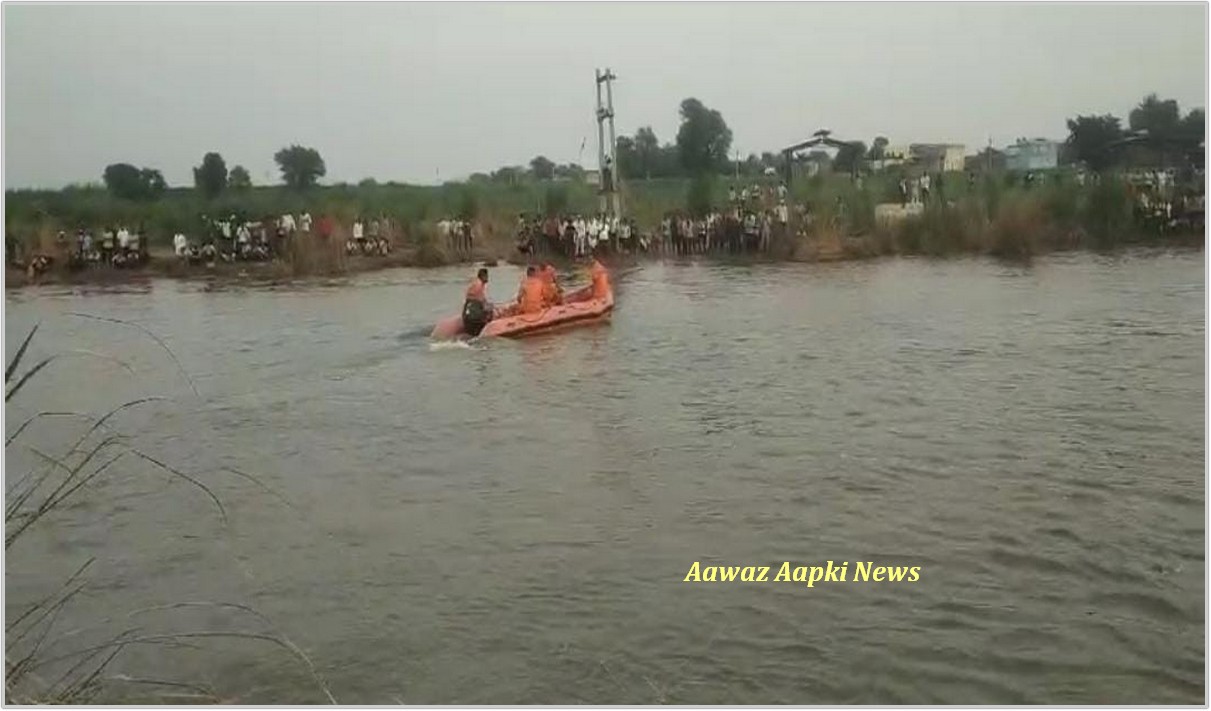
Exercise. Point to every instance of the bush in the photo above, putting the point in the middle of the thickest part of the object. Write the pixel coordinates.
(992, 196)
(1062, 202)
(1018, 230)
(1107, 214)
(555, 200)
(700, 197)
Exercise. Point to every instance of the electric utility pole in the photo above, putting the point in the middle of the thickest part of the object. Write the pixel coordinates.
(607, 158)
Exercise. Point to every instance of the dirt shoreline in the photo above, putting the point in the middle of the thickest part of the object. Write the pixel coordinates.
(166, 266)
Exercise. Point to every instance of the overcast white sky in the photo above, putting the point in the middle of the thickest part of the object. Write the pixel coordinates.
(412, 91)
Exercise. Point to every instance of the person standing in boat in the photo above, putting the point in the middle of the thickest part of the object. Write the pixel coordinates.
(600, 277)
(477, 310)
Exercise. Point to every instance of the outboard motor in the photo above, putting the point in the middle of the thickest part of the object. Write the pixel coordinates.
(475, 317)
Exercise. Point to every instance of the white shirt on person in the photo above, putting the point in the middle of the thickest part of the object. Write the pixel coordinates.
(123, 238)
(180, 244)
(305, 221)
(358, 231)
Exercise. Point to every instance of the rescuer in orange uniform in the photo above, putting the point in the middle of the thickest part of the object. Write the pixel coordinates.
(601, 279)
(530, 296)
(552, 295)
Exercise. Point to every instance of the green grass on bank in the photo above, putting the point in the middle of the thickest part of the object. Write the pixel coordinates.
(958, 206)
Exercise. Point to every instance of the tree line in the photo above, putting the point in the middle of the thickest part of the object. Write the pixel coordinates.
(301, 168)
(1156, 129)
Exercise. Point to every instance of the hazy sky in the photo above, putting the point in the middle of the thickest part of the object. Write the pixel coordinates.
(403, 91)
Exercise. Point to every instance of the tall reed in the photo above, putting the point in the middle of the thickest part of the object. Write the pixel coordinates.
(44, 665)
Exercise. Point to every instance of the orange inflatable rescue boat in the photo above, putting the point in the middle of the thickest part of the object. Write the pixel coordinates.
(579, 308)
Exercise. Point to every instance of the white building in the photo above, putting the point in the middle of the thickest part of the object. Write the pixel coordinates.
(1032, 154)
(939, 157)
(892, 155)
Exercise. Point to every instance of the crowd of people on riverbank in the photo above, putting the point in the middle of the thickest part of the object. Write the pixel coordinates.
(235, 237)
(574, 236)
(457, 235)
(755, 215)
(733, 232)
(1161, 203)
(238, 238)
(116, 246)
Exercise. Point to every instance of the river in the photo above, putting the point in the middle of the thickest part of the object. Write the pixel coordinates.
(512, 522)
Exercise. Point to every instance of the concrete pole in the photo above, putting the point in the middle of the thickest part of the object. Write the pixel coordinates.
(600, 147)
(615, 176)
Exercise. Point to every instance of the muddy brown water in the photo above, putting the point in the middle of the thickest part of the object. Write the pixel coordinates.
(512, 522)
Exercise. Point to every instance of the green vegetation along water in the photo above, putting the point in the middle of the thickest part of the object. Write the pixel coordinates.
(512, 522)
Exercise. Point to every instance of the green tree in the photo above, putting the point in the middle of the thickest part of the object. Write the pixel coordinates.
(508, 174)
(239, 179)
(1193, 129)
(571, 171)
(849, 157)
(628, 157)
(122, 179)
(1159, 118)
(301, 167)
(126, 181)
(153, 183)
(555, 199)
(542, 168)
(877, 148)
(1091, 137)
(210, 178)
(647, 150)
(703, 140)
(771, 160)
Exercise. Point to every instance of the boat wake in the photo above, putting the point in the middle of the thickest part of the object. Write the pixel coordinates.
(435, 346)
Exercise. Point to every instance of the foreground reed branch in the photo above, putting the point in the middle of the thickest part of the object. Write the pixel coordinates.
(41, 665)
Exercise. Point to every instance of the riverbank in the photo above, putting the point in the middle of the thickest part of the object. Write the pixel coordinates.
(163, 264)
(831, 220)
(1015, 239)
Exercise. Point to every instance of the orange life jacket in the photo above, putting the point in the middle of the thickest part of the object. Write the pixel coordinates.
(551, 293)
(601, 280)
(531, 300)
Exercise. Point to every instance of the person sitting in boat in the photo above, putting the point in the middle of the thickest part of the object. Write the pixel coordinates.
(477, 311)
(601, 279)
(529, 297)
(552, 295)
